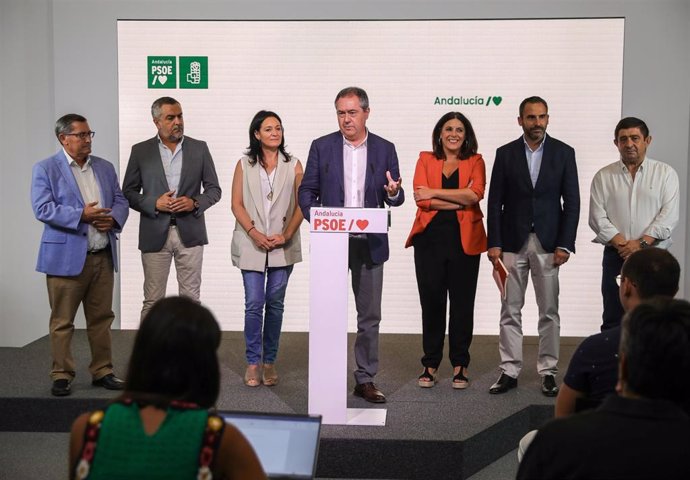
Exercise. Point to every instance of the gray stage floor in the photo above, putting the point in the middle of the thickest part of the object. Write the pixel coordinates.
(486, 426)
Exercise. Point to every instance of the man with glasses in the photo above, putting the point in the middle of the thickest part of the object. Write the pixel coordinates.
(163, 183)
(634, 203)
(593, 371)
(355, 168)
(642, 431)
(77, 197)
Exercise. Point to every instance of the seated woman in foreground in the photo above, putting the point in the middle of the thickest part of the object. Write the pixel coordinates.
(160, 426)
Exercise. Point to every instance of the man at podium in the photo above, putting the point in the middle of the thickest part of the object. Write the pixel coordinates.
(355, 168)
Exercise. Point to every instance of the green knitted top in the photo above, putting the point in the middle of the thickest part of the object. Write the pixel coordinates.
(123, 450)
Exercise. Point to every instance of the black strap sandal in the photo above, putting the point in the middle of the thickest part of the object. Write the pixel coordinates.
(460, 381)
(427, 379)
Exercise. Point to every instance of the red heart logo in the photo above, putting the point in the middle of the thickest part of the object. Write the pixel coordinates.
(362, 224)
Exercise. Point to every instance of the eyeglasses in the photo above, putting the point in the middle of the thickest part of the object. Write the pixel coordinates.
(81, 135)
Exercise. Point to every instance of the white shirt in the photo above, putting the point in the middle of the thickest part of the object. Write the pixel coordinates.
(172, 163)
(267, 186)
(534, 159)
(354, 172)
(90, 192)
(649, 205)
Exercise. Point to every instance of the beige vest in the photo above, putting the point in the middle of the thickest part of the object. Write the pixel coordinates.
(245, 254)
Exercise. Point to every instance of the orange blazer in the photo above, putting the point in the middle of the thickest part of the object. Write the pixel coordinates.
(472, 172)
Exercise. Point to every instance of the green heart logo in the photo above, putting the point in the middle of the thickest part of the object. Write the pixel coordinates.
(497, 100)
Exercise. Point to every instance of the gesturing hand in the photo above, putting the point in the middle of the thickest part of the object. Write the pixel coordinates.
(182, 204)
(393, 186)
(260, 240)
(164, 202)
(91, 213)
(104, 223)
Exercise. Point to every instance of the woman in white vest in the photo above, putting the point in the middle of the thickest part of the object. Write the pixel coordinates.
(266, 240)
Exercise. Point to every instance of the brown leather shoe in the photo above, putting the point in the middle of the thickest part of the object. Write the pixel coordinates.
(369, 392)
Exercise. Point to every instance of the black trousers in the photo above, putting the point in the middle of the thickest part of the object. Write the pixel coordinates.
(445, 272)
(611, 266)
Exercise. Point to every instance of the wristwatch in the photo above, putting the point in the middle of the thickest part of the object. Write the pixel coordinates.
(643, 243)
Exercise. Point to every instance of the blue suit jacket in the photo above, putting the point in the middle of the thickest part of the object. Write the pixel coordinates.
(57, 202)
(322, 184)
(514, 205)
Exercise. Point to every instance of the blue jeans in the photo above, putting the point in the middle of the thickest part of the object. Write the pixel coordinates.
(264, 289)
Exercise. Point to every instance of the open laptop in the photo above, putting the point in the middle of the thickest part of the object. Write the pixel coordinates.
(287, 444)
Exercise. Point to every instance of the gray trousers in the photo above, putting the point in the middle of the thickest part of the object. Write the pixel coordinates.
(532, 258)
(188, 261)
(367, 285)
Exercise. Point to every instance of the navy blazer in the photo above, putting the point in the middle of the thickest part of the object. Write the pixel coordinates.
(145, 182)
(57, 202)
(322, 185)
(551, 207)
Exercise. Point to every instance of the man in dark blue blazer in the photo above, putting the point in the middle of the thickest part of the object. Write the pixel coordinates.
(77, 198)
(355, 168)
(533, 212)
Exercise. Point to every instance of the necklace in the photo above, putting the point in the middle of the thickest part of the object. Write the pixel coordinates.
(270, 184)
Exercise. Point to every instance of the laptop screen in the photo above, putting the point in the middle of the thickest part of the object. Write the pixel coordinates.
(286, 444)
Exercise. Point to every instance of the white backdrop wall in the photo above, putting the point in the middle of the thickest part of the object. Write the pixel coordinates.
(409, 68)
(60, 56)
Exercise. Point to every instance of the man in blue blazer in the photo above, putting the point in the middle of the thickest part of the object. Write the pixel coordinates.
(355, 168)
(163, 182)
(77, 197)
(533, 212)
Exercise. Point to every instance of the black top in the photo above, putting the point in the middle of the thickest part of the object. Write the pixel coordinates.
(593, 368)
(623, 438)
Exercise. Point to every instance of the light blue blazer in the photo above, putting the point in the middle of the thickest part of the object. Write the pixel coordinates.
(57, 202)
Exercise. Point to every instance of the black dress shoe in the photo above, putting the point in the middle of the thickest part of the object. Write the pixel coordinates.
(61, 387)
(369, 392)
(548, 386)
(110, 382)
(503, 384)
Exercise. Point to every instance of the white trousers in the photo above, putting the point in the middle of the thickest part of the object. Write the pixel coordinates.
(533, 259)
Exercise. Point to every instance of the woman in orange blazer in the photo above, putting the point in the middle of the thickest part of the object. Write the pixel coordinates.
(448, 237)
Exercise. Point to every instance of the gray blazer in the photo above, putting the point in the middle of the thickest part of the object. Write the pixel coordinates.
(145, 181)
(245, 254)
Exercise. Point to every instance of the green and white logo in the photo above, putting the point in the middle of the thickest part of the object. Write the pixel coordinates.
(491, 100)
(162, 72)
(194, 72)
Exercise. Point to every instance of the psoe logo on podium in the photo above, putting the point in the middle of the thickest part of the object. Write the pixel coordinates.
(349, 220)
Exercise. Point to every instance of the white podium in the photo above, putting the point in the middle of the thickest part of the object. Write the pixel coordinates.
(329, 286)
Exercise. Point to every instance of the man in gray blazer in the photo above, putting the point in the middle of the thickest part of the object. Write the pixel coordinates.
(163, 183)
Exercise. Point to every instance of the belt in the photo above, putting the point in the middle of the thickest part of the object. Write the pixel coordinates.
(96, 252)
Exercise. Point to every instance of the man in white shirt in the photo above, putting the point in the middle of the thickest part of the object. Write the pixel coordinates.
(634, 204)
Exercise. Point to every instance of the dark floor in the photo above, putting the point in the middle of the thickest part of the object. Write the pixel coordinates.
(474, 428)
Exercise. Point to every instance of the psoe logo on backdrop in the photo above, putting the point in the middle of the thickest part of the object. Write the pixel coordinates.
(490, 100)
(194, 72)
(162, 72)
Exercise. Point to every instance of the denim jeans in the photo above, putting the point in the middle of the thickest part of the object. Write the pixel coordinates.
(264, 290)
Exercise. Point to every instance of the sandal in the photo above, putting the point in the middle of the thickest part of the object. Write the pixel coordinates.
(428, 378)
(270, 375)
(460, 381)
(252, 376)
